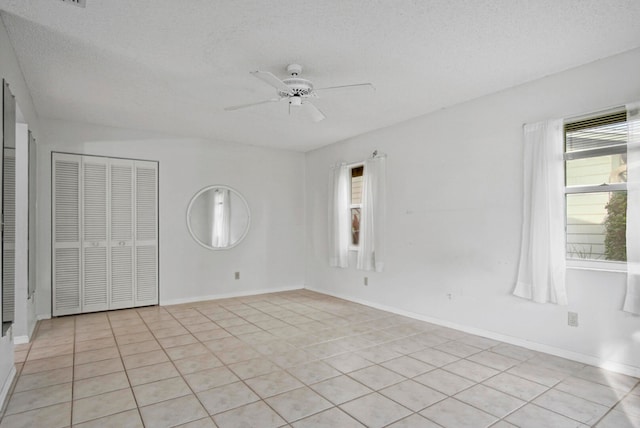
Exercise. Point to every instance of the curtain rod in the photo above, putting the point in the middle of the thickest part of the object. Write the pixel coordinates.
(375, 155)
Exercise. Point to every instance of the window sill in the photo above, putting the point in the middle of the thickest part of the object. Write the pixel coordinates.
(597, 265)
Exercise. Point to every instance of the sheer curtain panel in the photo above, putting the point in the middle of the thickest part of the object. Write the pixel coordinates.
(632, 299)
(541, 272)
(372, 221)
(339, 221)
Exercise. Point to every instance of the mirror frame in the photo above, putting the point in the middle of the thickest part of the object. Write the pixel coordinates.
(244, 201)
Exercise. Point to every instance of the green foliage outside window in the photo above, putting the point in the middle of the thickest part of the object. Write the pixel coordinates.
(615, 240)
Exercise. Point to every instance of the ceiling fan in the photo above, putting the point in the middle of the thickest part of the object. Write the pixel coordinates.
(297, 91)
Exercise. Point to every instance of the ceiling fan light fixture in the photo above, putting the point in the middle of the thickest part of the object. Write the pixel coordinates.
(295, 101)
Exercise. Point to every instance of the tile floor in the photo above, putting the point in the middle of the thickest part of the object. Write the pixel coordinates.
(298, 359)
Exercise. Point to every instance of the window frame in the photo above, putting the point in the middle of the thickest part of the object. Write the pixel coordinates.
(591, 264)
(352, 166)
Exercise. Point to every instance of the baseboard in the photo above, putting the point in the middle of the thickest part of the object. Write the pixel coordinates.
(228, 295)
(534, 346)
(6, 388)
(166, 302)
(20, 340)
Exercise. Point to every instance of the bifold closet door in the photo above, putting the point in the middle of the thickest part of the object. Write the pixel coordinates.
(146, 233)
(121, 234)
(105, 233)
(95, 255)
(9, 237)
(66, 234)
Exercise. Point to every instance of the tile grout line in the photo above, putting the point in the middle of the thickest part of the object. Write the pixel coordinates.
(241, 379)
(282, 368)
(261, 399)
(379, 365)
(620, 400)
(304, 385)
(324, 339)
(565, 376)
(73, 369)
(124, 368)
(176, 368)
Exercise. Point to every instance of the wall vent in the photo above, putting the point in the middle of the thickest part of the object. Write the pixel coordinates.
(80, 3)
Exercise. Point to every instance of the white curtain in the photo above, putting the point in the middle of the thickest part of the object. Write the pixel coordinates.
(372, 219)
(541, 272)
(221, 230)
(339, 216)
(632, 299)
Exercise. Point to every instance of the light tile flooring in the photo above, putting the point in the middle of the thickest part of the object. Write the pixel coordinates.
(298, 359)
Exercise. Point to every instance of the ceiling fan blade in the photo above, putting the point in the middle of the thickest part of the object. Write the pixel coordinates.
(367, 86)
(272, 80)
(314, 112)
(241, 106)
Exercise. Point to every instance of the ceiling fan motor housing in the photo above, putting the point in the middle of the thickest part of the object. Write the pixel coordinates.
(299, 86)
(294, 69)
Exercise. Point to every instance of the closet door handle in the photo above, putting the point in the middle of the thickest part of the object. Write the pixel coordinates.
(121, 243)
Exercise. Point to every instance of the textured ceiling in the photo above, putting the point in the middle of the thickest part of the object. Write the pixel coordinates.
(172, 66)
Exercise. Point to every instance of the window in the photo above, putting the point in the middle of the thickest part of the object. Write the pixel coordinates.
(595, 188)
(355, 203)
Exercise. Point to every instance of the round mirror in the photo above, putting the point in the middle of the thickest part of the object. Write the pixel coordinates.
(218, 217)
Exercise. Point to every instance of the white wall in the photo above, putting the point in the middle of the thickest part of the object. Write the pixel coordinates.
(10, 71)
(25, 315)
(270, 258)
(454, 214)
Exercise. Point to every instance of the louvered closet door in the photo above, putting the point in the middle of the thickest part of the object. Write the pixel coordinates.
(146, 233)
(121, 234)
(8, 247)
(66, 234)
(95, 221)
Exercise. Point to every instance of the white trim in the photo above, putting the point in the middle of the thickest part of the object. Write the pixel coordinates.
(228, 295)
(8, 383)
(41, 317)
(563, 353)
(598, 265)
(596, 188)
(20, 340)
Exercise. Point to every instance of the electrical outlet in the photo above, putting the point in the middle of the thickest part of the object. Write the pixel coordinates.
(572, 319)
(237, 275)
(366, 280)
